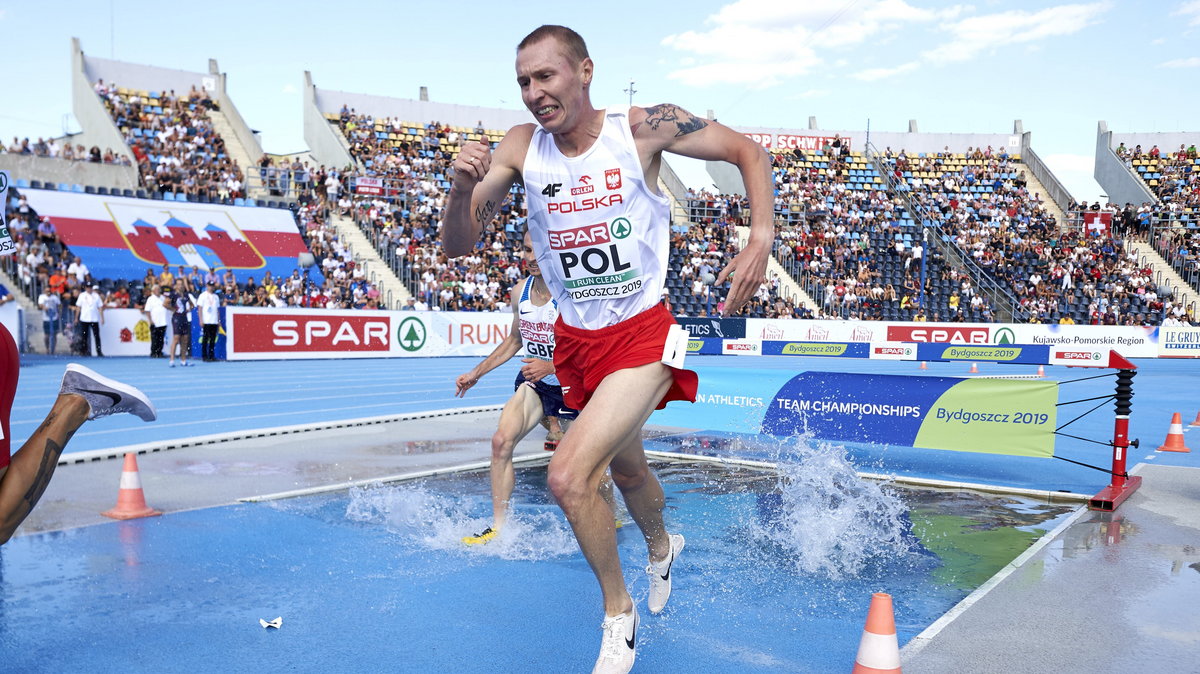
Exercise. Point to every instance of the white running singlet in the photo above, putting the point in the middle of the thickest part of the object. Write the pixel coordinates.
(601, 234)
(537, 327)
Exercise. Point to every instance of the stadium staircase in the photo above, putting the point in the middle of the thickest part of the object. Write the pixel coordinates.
(1164, 274)
(392, 291)
(221, 125)
(1036, 187)
(33, 315)
(1003, 302)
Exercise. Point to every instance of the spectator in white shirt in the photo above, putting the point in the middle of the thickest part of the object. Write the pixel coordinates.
(156, 310)
(210, 320)
(91, 317)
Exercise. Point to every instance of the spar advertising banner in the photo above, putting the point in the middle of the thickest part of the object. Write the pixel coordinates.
(1179, 342)
(257, 334)
(1129, 341)
(121, 238)
(998, 416)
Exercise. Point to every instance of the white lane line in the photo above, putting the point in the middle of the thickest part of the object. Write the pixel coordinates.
(271, 403)
(196, 422)
(195, 441)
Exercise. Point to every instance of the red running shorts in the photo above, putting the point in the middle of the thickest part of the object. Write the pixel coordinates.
(583, 358)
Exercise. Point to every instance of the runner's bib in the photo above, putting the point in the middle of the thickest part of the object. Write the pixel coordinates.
(601, 234)
(537, 328)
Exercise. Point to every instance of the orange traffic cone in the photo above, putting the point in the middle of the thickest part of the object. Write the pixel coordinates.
(1197, 421)
(1174, 442)
(131, 502)
(1041, 370)
(925, 366)
(879, 651)
(974, 368)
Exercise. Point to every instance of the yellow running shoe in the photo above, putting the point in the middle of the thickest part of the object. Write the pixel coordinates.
(483, 537)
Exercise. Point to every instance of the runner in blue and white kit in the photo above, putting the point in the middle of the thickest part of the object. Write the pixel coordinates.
(600, 231)
(538, 393)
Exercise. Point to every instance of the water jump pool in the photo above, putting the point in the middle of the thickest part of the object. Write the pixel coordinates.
(774, 578)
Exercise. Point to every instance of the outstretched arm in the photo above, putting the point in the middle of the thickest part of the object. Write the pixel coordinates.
(500, 355)
(673, 129)
(482, 180)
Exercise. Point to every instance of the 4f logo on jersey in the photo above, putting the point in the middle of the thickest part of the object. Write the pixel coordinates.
(586, 188)
(552, 189)
(612, 178)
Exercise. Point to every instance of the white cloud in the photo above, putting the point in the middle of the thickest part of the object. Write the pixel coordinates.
(1158, 41)
(872, 74)
(977, 34)
(289, 89)
(1193, 62)
(1189, 9)
(761, 43)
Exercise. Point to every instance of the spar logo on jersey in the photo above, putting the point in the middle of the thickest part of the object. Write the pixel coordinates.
(579, 237)
(585, 188)
(612, 178)
(585, 204)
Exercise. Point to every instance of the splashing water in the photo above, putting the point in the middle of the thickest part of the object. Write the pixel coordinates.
(428, 519)
(828, 521)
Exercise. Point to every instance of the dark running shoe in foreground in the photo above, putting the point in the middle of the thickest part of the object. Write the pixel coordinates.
(618, 646)
(106, 396)
(482, 537)
(660, 576)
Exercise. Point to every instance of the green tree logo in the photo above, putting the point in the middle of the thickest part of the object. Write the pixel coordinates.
(411, 334)
(620, 228)
(1005, 336)
(3, 180)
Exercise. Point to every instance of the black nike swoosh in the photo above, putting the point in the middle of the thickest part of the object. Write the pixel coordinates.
(115, 397)
(629, 641)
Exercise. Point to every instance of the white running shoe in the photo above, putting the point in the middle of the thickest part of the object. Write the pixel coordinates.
(618, 646)
(106, 396)
(660, 576)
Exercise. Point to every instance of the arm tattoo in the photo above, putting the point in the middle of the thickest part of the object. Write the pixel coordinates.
(484, 213)
(688, 123)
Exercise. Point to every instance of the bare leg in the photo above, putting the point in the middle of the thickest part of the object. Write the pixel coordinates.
(31, 467)
(606, 428)
(521, 414)
(643, 496)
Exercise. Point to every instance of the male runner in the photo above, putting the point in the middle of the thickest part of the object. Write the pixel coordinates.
(600, 230)
(537, 394)
(84, 395)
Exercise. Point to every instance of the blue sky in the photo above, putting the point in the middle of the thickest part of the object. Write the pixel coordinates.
(955, 67)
